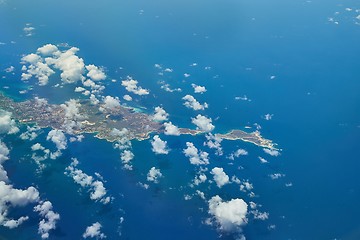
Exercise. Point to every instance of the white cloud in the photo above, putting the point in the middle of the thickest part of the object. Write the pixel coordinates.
(95, 73)
(191, 102)
(30, 134)
(50, 218)
(198, 89)
(126, 156)
(160, 114)
(263, 160)
(12, 197)
(159, 146)
(275, 176)
(110, 104)
(7, 125)
(131, 86)
(57, 137)
(268, 116)
(194, 156)
(200, 179)
(273, 153)
(28, 30)
(72, 67)
(260, 215)
(47, 50)
(93, 231)
(171, 129)
(4, 156)
(96, 188)
(214, 142)
(203, 123)
(154, 174)
(127, 97)
(229, 216)
(220, 177)
(238, 153)
(10, 69)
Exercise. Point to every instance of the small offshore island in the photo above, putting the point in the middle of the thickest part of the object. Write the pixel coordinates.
(80, 116)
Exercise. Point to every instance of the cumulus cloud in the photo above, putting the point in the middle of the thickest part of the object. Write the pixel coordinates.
(229, 216)
(238, 153)
(7, 125)
(47, 50)
(171, 129)
(95, 73)
(198, 89)
(57, 137)
(268, 116)
(49, 220)
(96, 187)
(159, 146)
(72, 115)
(165, 86)
(273, 153)
(110, 104)
(220, 177)
(50, 58)
(12, 197)
(71, 66)
(203, 123)
(154, 174)
(191, 102)
(160, 114)
(30, 134)
(275, 176)
(4, 156)
(127, 97)
(214, 142)
(195, 157)
(93, 231)
(131, 86)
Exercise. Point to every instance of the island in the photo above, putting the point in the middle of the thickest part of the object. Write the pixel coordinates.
(82, 116)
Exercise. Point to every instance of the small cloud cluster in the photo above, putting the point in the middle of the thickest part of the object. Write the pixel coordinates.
(93, 231)
(194, 156)
(72, 116)
(110, 104)
(95, 73)
(124, 145)
(153, 175)
(238, 153)
(97, 190)
(268, 116)
(166, 87)
(159, 146)
(28, 30)
(49, 58)
(214, 142)
(191, 102)
(228, 216)
(12, 197)
(160, 114)
(220, 177)
(49, 220)
(198, 89)
(7, 125)
(203, 123)
(171, 129)
(59, 138)
(131, 86)
(272, 152)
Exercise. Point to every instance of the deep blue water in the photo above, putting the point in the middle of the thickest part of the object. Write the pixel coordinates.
(314, 98)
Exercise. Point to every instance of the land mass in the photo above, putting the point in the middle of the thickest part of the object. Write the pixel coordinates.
(81, 116)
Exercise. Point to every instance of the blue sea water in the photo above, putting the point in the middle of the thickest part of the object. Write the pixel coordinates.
(314, 98)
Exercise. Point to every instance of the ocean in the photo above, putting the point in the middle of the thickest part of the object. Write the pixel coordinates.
(287, 59)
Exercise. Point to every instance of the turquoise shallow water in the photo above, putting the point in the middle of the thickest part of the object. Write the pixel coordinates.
(314, 98)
